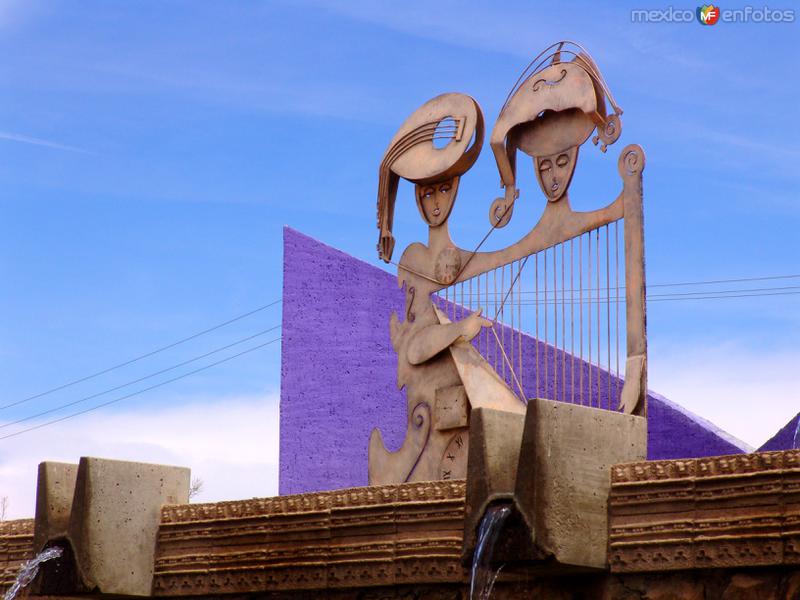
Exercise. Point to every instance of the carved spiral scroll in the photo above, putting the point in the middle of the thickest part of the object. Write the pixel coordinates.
(631, 161)
(608, 132)
(500, 213)
(420, 429)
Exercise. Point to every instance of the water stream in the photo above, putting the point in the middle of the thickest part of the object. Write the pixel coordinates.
(796, 440)
(29, 570)
(483, 574)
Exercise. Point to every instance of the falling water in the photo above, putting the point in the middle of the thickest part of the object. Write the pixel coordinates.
(483, 575)
(796, 441)
(29, 570)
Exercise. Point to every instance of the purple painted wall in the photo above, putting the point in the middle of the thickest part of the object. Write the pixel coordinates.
(786, 439)
(338, 366)
(338, 372)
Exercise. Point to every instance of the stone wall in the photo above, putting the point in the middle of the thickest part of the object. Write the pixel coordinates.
(719, 528)
(356, 538)
(16, 547)
(715, 512)
(404, 541)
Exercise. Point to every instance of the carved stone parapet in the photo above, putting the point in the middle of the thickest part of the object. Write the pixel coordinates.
(705, 513)
(354, 538)
(16, 547)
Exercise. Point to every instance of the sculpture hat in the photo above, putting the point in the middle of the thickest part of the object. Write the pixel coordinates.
(555, 107)
(439, 141)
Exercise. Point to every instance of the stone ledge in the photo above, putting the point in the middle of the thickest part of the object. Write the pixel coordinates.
(353, 538)
(16, 547)
(705, 513)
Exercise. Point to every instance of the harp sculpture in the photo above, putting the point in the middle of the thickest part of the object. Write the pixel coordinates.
(460, 343)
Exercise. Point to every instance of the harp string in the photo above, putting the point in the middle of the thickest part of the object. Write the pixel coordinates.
(556, 321)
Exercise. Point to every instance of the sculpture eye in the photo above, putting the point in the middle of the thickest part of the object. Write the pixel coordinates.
(562, 160)
(445, 189)
(545, 165)
(427, 192)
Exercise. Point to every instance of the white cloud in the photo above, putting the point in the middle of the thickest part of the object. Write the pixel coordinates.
(230, 443)
(748, 392)
(34, 141)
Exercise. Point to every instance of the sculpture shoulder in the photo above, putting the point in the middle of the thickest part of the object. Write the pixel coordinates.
(414, 251)
(415, 257)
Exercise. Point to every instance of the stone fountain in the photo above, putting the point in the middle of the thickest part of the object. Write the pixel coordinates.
(522, 466)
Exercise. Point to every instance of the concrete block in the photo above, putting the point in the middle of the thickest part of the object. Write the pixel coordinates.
(55, 488)
(495, 438)
(113, 518)
(564, 476)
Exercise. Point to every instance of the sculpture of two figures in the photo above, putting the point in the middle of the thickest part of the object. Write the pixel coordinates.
(556, 105)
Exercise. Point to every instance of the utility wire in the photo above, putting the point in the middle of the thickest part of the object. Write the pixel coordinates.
(652, 297)
(721, 292)
(729, 296)
(711, 282)
(142, 391)
(557, 294)
(621, 299)
(150, 376)
(655, 285)
(141, 357)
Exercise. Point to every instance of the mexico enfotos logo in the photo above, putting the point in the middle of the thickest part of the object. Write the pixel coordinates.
(711, 14)
(708, 14)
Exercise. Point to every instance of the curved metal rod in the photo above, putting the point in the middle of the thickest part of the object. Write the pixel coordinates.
(543, 57)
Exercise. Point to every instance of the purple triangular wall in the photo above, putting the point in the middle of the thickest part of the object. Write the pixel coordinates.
(786, 439)
(338, 373)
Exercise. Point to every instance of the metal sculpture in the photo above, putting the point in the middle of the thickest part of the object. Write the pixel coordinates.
(451, 358)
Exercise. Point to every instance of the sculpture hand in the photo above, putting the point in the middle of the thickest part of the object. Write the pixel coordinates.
(472, 325)
(386, 247)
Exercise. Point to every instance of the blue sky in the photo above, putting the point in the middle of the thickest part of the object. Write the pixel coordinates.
(150, 153)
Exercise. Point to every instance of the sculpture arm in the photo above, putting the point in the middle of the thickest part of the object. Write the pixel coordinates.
(432, 339)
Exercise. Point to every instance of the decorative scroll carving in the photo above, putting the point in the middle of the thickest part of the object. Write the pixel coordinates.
(360, 537)
(716, 512)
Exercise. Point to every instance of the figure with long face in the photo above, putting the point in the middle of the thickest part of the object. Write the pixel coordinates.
(548, 116)
(427, 343)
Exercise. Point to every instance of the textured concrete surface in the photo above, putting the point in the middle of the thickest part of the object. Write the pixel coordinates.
(116, 511)
(787, 438)
(55, 487)
(338, 367)
(338, 374)
(495, 441)
(564, 476)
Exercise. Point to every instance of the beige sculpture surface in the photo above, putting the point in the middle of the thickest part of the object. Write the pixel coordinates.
(443, 341)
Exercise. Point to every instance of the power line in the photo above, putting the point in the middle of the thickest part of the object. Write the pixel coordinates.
(558, 295)
(729, 296)
(622, 287)
(738, 291)
(140, 379)
(142, 391)
(664, 298)
(653, 297)
(141, 357)
(711, 282)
